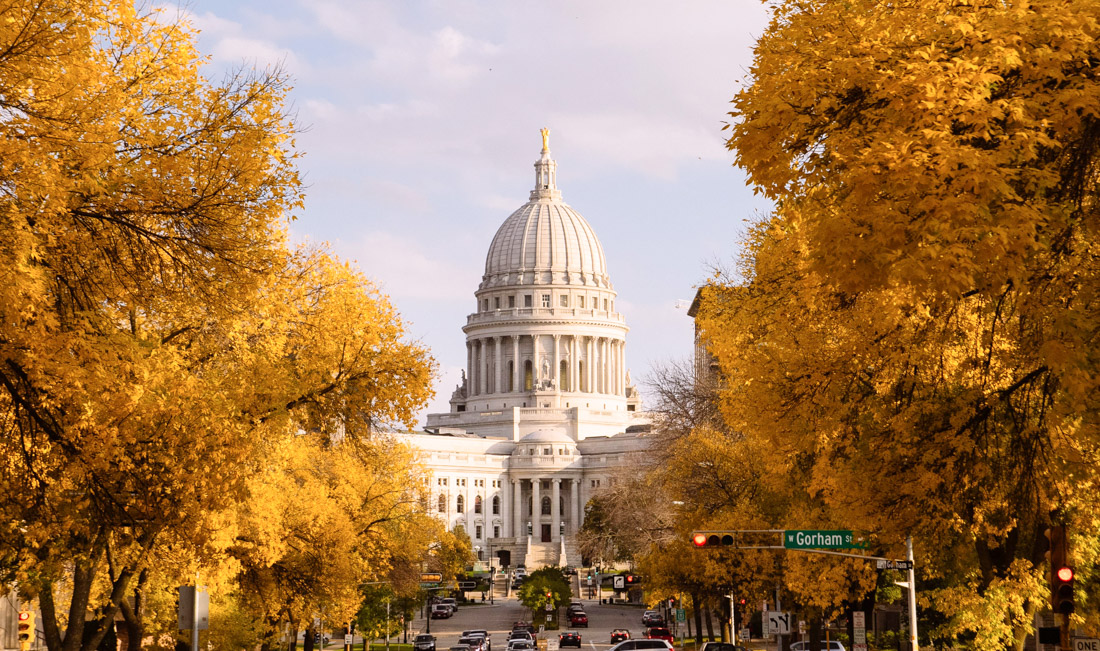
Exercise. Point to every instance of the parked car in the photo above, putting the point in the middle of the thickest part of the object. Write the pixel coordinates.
(832, 645)
(424, 642)
(647, 645)
(659, 633)
(441, 611)
(652, 618)
(619, 634)
(578, 618)
(569, 638)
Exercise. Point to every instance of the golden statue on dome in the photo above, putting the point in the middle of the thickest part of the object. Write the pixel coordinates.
(545, 138)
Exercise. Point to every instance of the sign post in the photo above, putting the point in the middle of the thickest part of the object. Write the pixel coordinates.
(859, 631)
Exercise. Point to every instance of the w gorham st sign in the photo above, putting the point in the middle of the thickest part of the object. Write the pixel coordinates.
(821, 539)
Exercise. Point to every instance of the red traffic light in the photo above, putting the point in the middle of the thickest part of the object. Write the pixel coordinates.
(700, 539)
(24, 615)
(742, 601)
(1065, 574)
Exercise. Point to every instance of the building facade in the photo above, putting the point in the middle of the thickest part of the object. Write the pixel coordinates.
(546, 414)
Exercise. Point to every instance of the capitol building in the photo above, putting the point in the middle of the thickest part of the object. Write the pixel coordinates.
(546, 414)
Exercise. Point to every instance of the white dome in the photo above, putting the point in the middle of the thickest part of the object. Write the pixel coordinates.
(547, 436)
(545, 241)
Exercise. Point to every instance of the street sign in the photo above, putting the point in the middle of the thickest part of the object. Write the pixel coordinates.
(681, 615)
(618, 582)
(779, 623)
(893, 565)
(549, 607)
(431, 577)
(744, 634)
(821, 539)
(348, 639)
(859, 631)
(1086, 644)
(467, 585)
(187, 603)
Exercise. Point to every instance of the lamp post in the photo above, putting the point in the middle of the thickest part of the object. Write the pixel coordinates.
(492, 572)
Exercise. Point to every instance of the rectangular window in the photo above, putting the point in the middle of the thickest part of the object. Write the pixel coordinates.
(546, 300)
(580, 302)
(564, 300)
(548, 451)
(496, 532)
(477, 533)
(511, 301)
(526, 300)
(496, 302)
(605, 305)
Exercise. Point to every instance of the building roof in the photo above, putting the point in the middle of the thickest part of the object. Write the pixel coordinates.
(545, 241)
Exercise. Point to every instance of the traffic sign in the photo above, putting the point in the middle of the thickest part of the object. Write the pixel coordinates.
(821, 539)
(681, 615)
(893, 565)
(431, 577)
(618, 582)
(779, 623)
(467, 585)
(348, 640)
(1086, 644)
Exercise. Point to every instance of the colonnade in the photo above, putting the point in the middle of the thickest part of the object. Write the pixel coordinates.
(570, 363)
(517, 527)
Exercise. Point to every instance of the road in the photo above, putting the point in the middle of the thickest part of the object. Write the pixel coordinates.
(498, 619)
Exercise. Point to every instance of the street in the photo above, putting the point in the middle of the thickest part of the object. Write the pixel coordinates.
(498, 620)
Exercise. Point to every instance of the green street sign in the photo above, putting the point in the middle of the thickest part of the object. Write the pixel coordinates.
(681, 615)
(821, 539)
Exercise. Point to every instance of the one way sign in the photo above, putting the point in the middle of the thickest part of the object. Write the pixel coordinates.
(1086, 644)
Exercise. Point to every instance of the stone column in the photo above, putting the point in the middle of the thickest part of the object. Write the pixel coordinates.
(517, 508)
(516, 370)
(555, 509)
(582, 491)
(499, 360)
(536, 509)
(575, 496)
(470, 388)
(588, 374)
(617, 390)
(556, 372)
(622, 365)
(573, 378)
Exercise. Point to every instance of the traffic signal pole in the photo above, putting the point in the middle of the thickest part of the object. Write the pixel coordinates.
(912, 594)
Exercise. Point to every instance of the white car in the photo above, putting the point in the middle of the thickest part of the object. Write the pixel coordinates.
(831, 645)
(642, 643)
(521, 644)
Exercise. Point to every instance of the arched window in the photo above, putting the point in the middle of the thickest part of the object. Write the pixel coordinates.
(563, 376)
(528, 376)
(496, 505)
(442, 503)
(477, 504)
(546, 506)
(460, 505)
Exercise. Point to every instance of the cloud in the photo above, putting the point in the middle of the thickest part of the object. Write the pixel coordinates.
(410, 267)
(230, 45)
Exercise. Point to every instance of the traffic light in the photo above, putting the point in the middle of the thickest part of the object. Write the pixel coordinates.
(632, 579)
(742, 601)
(26, 629)
(1062, 590)
(1061, 573)
(711, 539)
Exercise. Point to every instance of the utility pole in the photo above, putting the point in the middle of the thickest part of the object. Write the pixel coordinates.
(912, 594)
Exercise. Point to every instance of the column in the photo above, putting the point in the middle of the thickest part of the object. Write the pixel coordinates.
(622, 365)
(575, 498)
(517, 508)
(470, 389)
(536, 509)
(573, 364)
(557, 364)
(605, 365)
(582, 491)
(555, 509)
(588, 375)
(616, 349)
(500, 366)
(516, 370)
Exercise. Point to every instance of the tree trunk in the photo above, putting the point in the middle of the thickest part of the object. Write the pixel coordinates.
(307, 643)
(135, 617)
(710, 623)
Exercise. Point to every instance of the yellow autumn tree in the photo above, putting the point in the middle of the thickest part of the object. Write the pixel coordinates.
(915, 325)
(159, 341)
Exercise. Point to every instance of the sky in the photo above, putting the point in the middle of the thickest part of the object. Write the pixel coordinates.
(421, 127)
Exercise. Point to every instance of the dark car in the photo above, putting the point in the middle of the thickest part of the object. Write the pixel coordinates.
(659, 633)
(619, 634)
(726, 646)
(652, 618)
(441, 611)
(569, 638)
(424, 642)
(578, 618)
(569, 570)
